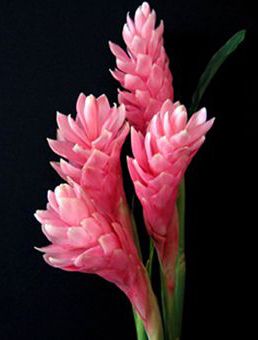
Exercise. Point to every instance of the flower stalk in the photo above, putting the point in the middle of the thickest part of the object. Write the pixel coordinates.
(180, 264)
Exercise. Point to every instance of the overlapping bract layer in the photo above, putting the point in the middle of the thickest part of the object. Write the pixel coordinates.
(144, 70)
(85, 240)
(92, 144)
(160, 161)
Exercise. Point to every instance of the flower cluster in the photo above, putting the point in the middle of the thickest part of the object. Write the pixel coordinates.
(87, 220)
(144, 70)
(92, 144)
(86, 240)
(160, 160)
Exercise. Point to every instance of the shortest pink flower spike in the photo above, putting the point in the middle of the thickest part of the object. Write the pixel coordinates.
(91, 144)
(84, 240)
(160, 161)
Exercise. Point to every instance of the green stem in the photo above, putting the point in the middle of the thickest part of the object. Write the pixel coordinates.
(180, 264)
(155, 329)
(151, 327)
(168, 309)
(179, 294)
(181, 214)
(140, 331)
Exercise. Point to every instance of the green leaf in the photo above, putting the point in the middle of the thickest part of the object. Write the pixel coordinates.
(216, 61)
(210, 71)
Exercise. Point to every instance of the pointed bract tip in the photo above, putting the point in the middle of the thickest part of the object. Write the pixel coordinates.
(111, 45)
(121, 107)
(133, 130)
(212, 120)
(36, 215)
(90, 98)
(38, 249)
(54, 164)
(145, 4)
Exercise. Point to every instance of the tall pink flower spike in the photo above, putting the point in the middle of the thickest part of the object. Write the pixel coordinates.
(159, 164)
(92, 144)
(144, 70)
(85, 240)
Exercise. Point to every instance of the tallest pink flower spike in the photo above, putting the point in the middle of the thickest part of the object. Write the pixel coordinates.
(144, 70)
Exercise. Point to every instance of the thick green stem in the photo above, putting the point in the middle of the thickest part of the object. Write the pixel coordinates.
(154, 329)
(152, 322)
(172, 301)
(168, 309)
(140, 331)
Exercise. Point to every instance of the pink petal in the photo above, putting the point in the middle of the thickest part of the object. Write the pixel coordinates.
(78, 237)
(178, 119)
(143, 65)
(91, 260)
(139, 19)
(149, 25)
(109, 242)
(65, 128)
(91, 117)
(132, 83)
(155, 79)
(72, 210)
(197, 118)
(200, 130)
(138, 45)
(65, 150)
(137, 142)
(118, 52)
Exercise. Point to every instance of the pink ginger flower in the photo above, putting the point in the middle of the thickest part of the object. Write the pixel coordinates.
(85, 240)
(92, 144)
(159, 164)
(144, 70)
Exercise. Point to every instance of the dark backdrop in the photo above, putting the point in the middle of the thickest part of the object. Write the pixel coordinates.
(50, 51)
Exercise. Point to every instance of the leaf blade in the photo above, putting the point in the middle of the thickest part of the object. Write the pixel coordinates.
(213, 66)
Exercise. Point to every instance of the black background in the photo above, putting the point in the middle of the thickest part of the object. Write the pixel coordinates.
(50, 51)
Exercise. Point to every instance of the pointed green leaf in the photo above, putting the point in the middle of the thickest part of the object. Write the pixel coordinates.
(216, 61)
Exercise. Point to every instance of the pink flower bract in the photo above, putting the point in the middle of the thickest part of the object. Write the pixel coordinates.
(143, 71)
(92, 145)
(160, 160)
(84, 240)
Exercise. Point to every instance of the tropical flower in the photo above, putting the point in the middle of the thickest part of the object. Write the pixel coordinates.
(143, 71)
(85, 240)
(160, 160)
(92, 145)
